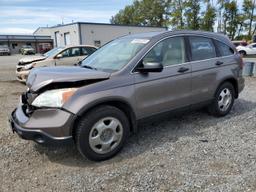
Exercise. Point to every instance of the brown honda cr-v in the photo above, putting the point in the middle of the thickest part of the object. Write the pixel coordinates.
(99, 103)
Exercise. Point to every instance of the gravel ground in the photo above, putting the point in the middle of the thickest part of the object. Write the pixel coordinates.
(189, 152)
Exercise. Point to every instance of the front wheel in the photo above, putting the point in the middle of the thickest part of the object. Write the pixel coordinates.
(223, 100)
(243, 53)
(101, 133)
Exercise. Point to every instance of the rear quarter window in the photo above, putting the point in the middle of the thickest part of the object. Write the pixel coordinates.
(224, 49)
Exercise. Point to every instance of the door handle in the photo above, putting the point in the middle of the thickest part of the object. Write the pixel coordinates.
(183, 69)
(219, 63)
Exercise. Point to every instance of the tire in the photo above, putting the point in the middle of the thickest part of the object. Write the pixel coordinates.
(223, 100)
(97, 131)
(243, 53)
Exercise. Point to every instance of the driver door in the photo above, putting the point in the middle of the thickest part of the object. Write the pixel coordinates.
(70, 57)
(158, 92)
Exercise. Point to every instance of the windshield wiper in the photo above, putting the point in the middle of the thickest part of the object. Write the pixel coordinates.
(88, 67)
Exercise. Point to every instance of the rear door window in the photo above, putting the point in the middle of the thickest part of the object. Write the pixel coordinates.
(201, 48)
(224, 49)
(75, 52)
(84, 51)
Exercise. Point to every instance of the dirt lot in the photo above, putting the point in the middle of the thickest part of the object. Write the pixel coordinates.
(192, 152)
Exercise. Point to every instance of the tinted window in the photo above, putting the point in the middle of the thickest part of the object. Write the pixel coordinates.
(201, 48)
(168, 52)
(254, 45)
(224, 49)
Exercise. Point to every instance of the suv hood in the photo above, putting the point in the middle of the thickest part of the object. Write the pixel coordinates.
(42, 77)
(27, 60)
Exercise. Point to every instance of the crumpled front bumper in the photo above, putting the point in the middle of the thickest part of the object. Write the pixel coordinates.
(22, 75)
(43, 125)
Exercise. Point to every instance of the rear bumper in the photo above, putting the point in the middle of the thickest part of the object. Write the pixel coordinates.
(55, 130)
(241, 84)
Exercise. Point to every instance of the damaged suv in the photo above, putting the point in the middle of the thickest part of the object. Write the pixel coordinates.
(131, 78)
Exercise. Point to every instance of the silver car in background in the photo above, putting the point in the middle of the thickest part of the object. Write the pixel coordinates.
(4, 50)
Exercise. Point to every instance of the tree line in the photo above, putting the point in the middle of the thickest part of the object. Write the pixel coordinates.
(238, 21)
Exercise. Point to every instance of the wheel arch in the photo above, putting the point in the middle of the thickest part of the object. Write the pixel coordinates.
(244, 51)
(231, 80)
(116, 102)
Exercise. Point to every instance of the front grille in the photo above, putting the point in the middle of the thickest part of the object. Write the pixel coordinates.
(26, 99)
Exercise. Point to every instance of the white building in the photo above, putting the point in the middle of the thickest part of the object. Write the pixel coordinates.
(90, 33)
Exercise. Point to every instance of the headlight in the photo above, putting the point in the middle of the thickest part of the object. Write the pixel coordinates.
(54, 98)
(29, 66)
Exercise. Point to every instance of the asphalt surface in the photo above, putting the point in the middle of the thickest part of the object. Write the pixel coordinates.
(187, 152)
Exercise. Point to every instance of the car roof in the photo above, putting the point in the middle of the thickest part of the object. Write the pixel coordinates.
(69, 46)
(150, 35)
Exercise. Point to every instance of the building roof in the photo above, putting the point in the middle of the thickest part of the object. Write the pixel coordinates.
(24, 38)
(90, 23)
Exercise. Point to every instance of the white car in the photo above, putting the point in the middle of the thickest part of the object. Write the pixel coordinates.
(247, 50)
(4, 50)
(60, 56)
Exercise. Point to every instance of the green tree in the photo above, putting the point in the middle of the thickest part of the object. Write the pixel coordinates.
(192, 14)
(144, 12)
(177, 9)
(209, 17)
(125, 16)
(241, 24)
(221, 21)
(231, 18)
(248, 9)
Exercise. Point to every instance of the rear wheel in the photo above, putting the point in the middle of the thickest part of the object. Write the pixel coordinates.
(223, 101)
(101, 133)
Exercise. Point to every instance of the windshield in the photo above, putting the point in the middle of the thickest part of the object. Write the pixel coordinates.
(53, 51)
(114, 55)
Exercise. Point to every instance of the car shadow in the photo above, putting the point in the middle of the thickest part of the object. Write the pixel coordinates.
(151, 134)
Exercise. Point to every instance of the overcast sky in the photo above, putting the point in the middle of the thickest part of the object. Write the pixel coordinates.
(25, 16)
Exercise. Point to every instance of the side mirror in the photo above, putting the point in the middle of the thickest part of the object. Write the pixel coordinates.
(150, 67)
(59, 56)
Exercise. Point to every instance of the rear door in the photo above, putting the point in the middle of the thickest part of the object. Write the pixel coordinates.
(163, 91)
(205, 67)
